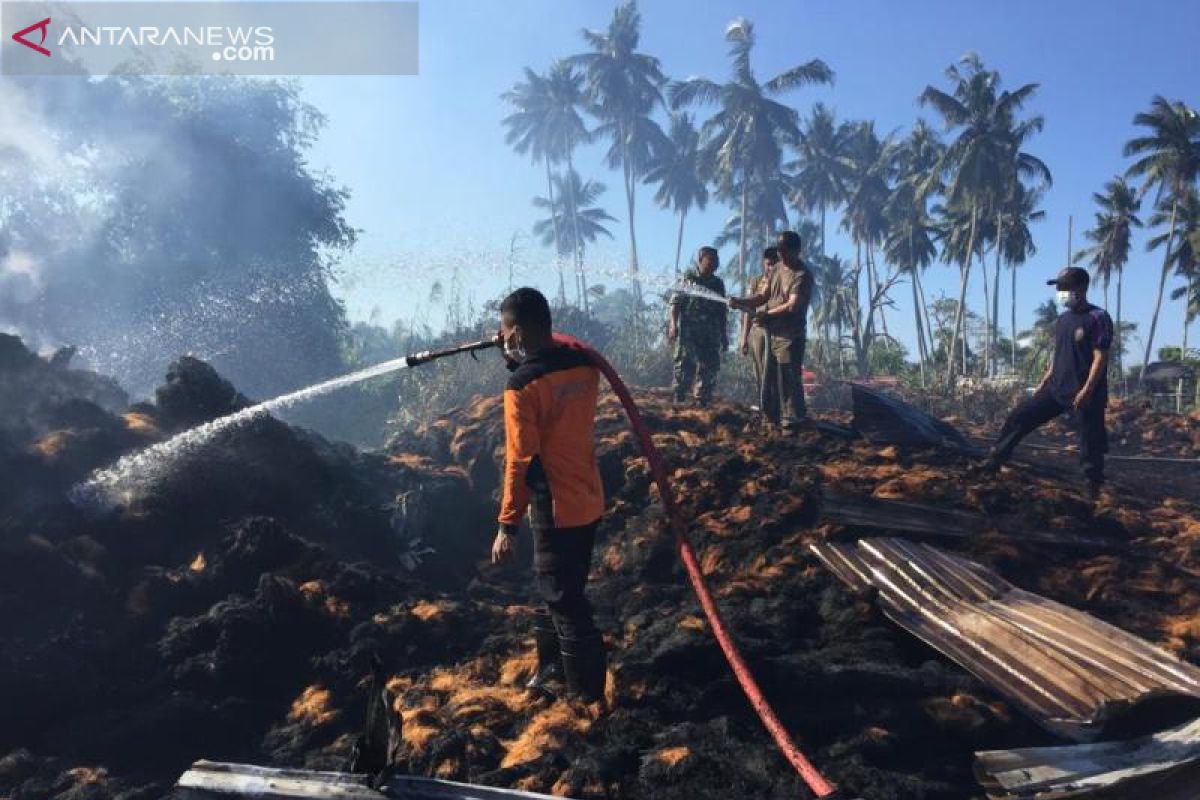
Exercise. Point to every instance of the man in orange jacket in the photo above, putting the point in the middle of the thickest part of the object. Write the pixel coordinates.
(550, 469)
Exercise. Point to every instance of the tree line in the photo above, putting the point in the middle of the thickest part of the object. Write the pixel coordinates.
(965, 195)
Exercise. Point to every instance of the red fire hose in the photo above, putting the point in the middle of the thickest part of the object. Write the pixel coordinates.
(814, 779)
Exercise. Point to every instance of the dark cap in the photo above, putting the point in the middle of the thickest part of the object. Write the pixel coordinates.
(1069, 279)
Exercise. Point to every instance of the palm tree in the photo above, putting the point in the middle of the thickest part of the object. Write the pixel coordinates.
(1182, 257)
(984, 158)
(1012, 239)
(1112, 234)
(822, 169)
(1042, 336)
(623, 87)
(1168, 159)
(566, 93)
(547, 125)
(837, 289)
(1187, 266)
(577, 219)
(874, 164)
(745, 137)
(909, 242)
(679, 173)
(956, 229)
(766, 212)
(1015, 245)
(910, 229)
(587, 221)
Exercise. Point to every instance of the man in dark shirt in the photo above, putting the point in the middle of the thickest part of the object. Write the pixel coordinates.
(1076, 381)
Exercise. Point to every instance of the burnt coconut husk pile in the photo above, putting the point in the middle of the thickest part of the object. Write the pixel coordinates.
(234, 610)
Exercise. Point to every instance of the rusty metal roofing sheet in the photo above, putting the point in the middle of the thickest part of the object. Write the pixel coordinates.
(1069, 671)
(1165, 766)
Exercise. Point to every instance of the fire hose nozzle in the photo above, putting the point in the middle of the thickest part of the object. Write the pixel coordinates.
(425, 356)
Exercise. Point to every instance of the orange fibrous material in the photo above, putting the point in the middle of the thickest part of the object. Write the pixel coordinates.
(141, 424)
(548, 730)
(313, 706)
(673, 756)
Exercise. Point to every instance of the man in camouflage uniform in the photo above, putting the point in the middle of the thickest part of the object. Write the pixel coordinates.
(699, 329)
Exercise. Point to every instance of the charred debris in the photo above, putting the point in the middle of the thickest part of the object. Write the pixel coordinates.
(238, 612)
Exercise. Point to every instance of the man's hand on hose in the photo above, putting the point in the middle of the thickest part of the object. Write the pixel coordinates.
(503, 547)
(672, 332)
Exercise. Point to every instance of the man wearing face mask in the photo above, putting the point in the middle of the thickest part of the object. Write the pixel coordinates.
(1076, 381)
(550, 469)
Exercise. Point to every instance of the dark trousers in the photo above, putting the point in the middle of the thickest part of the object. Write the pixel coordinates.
(783, 381)
(1031, 414)
(561, 560)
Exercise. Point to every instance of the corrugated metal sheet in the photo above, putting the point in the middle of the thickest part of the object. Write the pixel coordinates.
(211, 780)
(886, 419)
(1069, 671)
(1165, 766)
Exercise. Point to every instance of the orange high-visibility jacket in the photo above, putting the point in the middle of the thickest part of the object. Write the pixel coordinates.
(550, 460)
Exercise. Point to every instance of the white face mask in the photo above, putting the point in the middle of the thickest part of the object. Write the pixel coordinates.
(513, 352)
(1065, 300)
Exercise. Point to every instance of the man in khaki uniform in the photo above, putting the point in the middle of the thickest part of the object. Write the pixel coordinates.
(784, 314)
(753, 338)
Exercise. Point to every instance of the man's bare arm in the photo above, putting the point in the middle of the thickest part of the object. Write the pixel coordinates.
(749, 301)
(787, 307)
(1099, 364)
(744, 335)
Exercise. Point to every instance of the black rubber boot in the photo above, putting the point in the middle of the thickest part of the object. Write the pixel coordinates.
(549, 653)
(586, 666)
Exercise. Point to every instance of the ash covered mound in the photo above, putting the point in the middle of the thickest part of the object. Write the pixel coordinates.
(234, 611)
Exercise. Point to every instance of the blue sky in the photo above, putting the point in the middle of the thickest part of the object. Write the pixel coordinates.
(435, 189)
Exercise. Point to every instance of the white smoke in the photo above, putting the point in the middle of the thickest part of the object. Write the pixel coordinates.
(26, 141)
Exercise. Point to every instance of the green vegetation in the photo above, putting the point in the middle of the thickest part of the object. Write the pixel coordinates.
(966, 196)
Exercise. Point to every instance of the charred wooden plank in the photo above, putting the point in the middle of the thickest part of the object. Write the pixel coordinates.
(210, 780)
(917, 519)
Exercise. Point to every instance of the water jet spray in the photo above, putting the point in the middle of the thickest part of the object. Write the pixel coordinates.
(131, 474)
